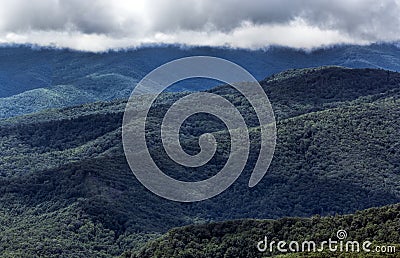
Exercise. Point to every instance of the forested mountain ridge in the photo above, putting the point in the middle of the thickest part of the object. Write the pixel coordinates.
(291, 93)
(300, 91)
(65, 182)
(34, 79)
(239, 238)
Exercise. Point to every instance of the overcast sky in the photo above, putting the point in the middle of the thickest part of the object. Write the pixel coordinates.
(98, 25)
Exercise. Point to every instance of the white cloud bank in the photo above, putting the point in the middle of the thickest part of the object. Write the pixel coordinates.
(99, 25)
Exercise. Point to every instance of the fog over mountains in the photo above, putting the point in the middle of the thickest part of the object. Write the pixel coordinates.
(111, 24)
(330, 69)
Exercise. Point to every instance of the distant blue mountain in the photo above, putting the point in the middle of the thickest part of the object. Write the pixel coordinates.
(33, 79)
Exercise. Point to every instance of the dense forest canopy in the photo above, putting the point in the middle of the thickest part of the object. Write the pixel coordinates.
(65, 183)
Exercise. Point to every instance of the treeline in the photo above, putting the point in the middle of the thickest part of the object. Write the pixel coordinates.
(380, 226)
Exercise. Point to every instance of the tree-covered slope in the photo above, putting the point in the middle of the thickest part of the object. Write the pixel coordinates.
(64, 174)
(300, 91)
(35, 79)
(380, 226)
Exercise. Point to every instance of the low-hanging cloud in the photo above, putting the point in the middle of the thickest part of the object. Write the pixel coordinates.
(105, 24)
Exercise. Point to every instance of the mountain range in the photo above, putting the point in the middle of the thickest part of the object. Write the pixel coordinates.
(67, 190)
(34, 78)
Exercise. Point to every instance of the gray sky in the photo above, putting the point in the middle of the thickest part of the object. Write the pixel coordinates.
(98, 25)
